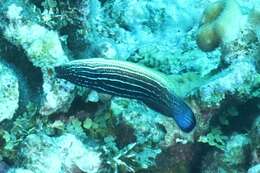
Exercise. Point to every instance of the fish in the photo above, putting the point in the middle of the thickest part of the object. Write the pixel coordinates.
(129, 80)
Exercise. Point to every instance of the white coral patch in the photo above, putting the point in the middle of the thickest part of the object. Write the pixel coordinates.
(14, 12)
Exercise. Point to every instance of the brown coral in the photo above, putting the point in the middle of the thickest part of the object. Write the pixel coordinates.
(219, 23)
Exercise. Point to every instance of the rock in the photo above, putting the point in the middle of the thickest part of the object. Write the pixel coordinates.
(150, 127)
(233, 158)
(237, 83)
(43, 154)
(178, 61)
(93, 96)
(254, 169)
(126, 32)
(232, 81)
(237, 150)
(58, 95)
(132, 114)
(9, 95)
(44, 50)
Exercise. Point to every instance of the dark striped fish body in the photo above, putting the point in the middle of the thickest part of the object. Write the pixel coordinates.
(125, 79)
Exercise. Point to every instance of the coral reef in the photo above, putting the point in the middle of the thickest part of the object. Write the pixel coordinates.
(157, 131)
(231, 81)
(233, 158)
(43, 48)
(208, 49)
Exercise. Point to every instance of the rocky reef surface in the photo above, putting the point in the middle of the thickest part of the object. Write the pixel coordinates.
(210, 50)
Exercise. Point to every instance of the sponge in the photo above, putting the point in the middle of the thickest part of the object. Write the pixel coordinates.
(220, 23)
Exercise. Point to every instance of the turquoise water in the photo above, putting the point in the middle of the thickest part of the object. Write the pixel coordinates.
(123, 86)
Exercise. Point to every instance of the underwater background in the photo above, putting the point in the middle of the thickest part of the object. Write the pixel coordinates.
(175, 88)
